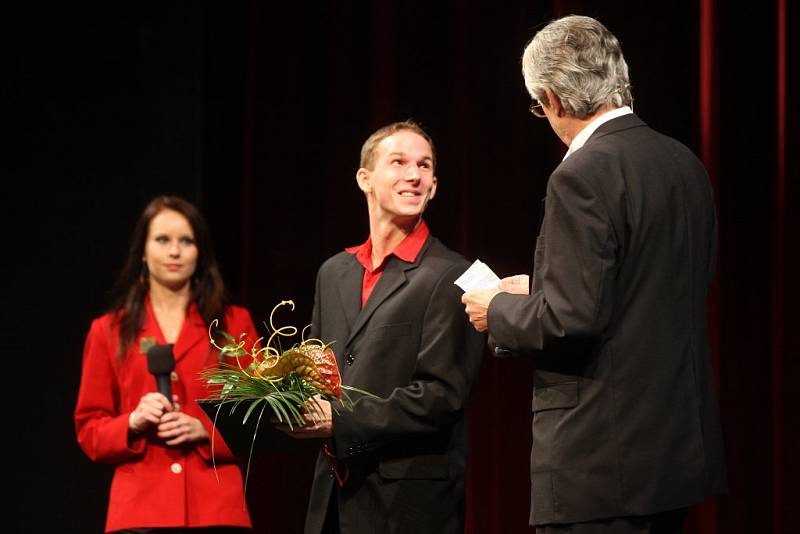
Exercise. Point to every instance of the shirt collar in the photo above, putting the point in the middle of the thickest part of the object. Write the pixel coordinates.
(407, 250)
(590, 128)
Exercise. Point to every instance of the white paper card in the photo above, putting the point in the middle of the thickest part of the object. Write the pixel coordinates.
(478, 276)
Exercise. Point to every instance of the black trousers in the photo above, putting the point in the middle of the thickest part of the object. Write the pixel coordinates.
(331, 524)
(670, 522)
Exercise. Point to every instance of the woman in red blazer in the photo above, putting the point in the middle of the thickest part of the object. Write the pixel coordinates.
(170, 290)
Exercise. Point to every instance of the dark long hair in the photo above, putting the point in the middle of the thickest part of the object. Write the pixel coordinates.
(208, 289)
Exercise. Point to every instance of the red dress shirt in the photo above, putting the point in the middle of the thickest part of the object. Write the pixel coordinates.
(407, 250)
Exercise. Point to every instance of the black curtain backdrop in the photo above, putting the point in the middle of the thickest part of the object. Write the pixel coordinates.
(257, 111)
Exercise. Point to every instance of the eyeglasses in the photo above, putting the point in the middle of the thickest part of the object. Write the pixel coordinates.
(537, 109)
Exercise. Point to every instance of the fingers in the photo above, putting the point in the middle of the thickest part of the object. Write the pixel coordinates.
(318, 410)
(476, 305)
(517, 284)
(478, 319)
(172, 425)
(149, 411)
(306, 432)
(170, 417)
(149, 415)
(177, 428)
(479, 324)
(309, 421)
(317, 422)
(154, 403)
(158, 400)
(477, 315)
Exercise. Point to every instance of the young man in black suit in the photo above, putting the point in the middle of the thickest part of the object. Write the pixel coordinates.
(397, 462)
(626, 431)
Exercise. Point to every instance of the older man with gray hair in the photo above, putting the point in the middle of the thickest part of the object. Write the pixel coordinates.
(626, 432)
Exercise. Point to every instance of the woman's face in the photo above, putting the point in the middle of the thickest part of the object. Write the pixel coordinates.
(170, 251)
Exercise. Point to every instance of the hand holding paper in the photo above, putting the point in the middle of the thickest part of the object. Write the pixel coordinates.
(480, 286)
(478, 276)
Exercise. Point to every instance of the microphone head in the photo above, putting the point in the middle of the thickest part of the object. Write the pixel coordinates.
(160, 360)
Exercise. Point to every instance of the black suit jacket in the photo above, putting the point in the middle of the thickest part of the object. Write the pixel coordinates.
(625, 419)
(413, 347)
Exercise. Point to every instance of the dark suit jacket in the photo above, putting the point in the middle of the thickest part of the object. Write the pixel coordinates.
(413, 347)
(625, 419)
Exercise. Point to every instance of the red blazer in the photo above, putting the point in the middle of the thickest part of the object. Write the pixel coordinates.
(155, 485)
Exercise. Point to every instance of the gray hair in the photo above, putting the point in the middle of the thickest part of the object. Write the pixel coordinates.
(581, 62)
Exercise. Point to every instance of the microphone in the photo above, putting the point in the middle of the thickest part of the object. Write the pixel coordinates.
(160, 363)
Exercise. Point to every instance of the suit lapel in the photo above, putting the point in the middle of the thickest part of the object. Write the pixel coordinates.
(350, 279)
(151, 332)
(393, 278)
(193, 331)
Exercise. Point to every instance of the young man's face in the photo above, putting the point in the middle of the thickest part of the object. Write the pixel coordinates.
(402, 181)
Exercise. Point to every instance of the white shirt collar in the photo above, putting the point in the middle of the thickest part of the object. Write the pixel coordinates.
(590, 128)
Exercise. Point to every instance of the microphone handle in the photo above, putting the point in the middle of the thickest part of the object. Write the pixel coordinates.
(164, 386)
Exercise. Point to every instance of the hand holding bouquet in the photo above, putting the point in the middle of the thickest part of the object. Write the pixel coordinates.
(300, 386)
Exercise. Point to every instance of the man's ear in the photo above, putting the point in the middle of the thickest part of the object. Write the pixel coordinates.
(554, 103)
(433, 188)
(363, 179)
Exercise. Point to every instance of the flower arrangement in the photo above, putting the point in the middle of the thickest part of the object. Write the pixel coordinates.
(289, 383)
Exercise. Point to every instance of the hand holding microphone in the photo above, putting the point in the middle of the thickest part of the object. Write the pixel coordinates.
(174, 427)
(152, 406)
(149, 411)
